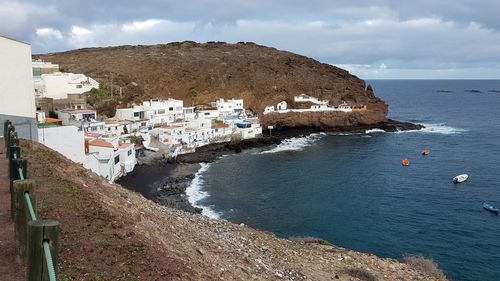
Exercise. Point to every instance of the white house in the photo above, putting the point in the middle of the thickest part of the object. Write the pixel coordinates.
(43, 67)
(229, 106)
(67, 140)
(163, 111)
(76, 116)
(58, 85)
(269, 109)
(17, 94)
(282, 105)
(109, 160)
(306, 98)
(134, 114)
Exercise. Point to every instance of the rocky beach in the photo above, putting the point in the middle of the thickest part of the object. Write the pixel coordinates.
(164, 181)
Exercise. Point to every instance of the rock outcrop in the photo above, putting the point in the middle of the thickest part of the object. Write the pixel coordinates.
(260, 75)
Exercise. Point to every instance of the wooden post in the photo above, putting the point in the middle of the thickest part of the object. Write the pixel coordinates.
(14, 175)
(9, 139)
(22, 215)
(6, 125)
(40, 231)
(13, 149)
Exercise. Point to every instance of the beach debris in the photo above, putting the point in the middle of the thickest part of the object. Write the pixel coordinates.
(405, 162)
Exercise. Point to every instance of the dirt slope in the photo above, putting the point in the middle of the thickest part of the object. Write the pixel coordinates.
(260, 75)
(110, 233)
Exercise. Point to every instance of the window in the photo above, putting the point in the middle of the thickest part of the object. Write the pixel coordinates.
(207, 113)
(78, 86)
(170, 109)
(129, 152)
(161, 111)
(117, 159)
(136, 114)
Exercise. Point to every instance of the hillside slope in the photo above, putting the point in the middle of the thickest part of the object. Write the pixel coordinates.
(260, 75)
(110, 233)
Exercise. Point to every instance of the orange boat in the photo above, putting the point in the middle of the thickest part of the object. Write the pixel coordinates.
(425, 152)
(405, 162)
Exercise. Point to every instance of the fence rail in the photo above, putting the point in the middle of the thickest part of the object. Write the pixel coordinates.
(36, 239)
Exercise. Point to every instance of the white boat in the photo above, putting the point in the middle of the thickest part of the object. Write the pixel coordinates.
(460, 178)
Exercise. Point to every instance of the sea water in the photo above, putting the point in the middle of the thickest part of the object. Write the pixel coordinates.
(353, 191)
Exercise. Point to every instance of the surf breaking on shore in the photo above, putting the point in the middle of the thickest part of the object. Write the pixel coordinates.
(195, 194)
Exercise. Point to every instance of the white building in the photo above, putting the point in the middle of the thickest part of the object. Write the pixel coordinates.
(163, 111)
(229, 106)
(109, 159)
(306, 98)
(17, 99)
(282, 106)
(67, 140)
(58, 85)
(76, 116)
(42, 67)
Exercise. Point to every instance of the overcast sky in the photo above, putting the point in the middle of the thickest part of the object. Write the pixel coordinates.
(372, 39)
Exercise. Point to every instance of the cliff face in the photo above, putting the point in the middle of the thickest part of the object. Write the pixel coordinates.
(260, 75)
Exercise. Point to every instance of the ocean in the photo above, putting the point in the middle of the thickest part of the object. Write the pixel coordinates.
(352, 190)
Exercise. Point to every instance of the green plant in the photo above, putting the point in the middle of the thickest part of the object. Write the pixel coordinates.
(96, 95)
(193, 94)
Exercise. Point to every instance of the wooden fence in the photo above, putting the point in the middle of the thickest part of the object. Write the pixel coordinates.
(36, 239)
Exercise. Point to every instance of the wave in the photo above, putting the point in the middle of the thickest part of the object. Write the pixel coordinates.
(376, 130)
(295, 143)
(195, 194)
(437, 128)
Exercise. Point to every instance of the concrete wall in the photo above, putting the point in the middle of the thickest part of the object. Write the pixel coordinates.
(25, 126)
(67, 140)
(17, 93)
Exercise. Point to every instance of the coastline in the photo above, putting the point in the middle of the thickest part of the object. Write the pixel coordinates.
(165, 181)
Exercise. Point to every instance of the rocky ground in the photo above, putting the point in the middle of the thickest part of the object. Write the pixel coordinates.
(111, 233)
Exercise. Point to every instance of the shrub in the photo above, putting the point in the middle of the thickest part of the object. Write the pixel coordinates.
(427, 266)
(361, 274)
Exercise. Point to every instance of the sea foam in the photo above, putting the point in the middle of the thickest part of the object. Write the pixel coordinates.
(295, 143)
(195, 194)
(437, 128)
(376, 130)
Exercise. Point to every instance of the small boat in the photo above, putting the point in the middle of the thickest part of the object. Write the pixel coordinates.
(491, 208)
(405, 162)
(460, 178)
(425, 152)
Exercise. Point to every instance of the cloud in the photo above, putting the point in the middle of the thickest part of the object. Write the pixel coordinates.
(405, 36)
(141, 25)
(49, 33)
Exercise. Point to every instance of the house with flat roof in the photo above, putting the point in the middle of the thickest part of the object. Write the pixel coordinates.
(17, 95)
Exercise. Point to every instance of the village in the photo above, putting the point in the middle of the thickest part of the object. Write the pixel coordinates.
(109, 147)
(66, 121)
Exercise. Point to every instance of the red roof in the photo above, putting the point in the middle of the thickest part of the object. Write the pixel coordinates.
(125, 145)
(219, 126)
(101, 143)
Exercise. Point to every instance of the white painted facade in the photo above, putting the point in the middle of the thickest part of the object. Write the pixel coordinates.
(306, 98)
(229, 106)
(76, 116)
(163, 111)
(67, 140)
(58, 85)
(318, 106)
(17, 94)
(110, 160)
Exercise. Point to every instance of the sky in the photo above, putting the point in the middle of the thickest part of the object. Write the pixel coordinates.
(378, 39)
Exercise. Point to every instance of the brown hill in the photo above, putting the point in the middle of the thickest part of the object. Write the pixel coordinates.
(111, 233)
(260, 75)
